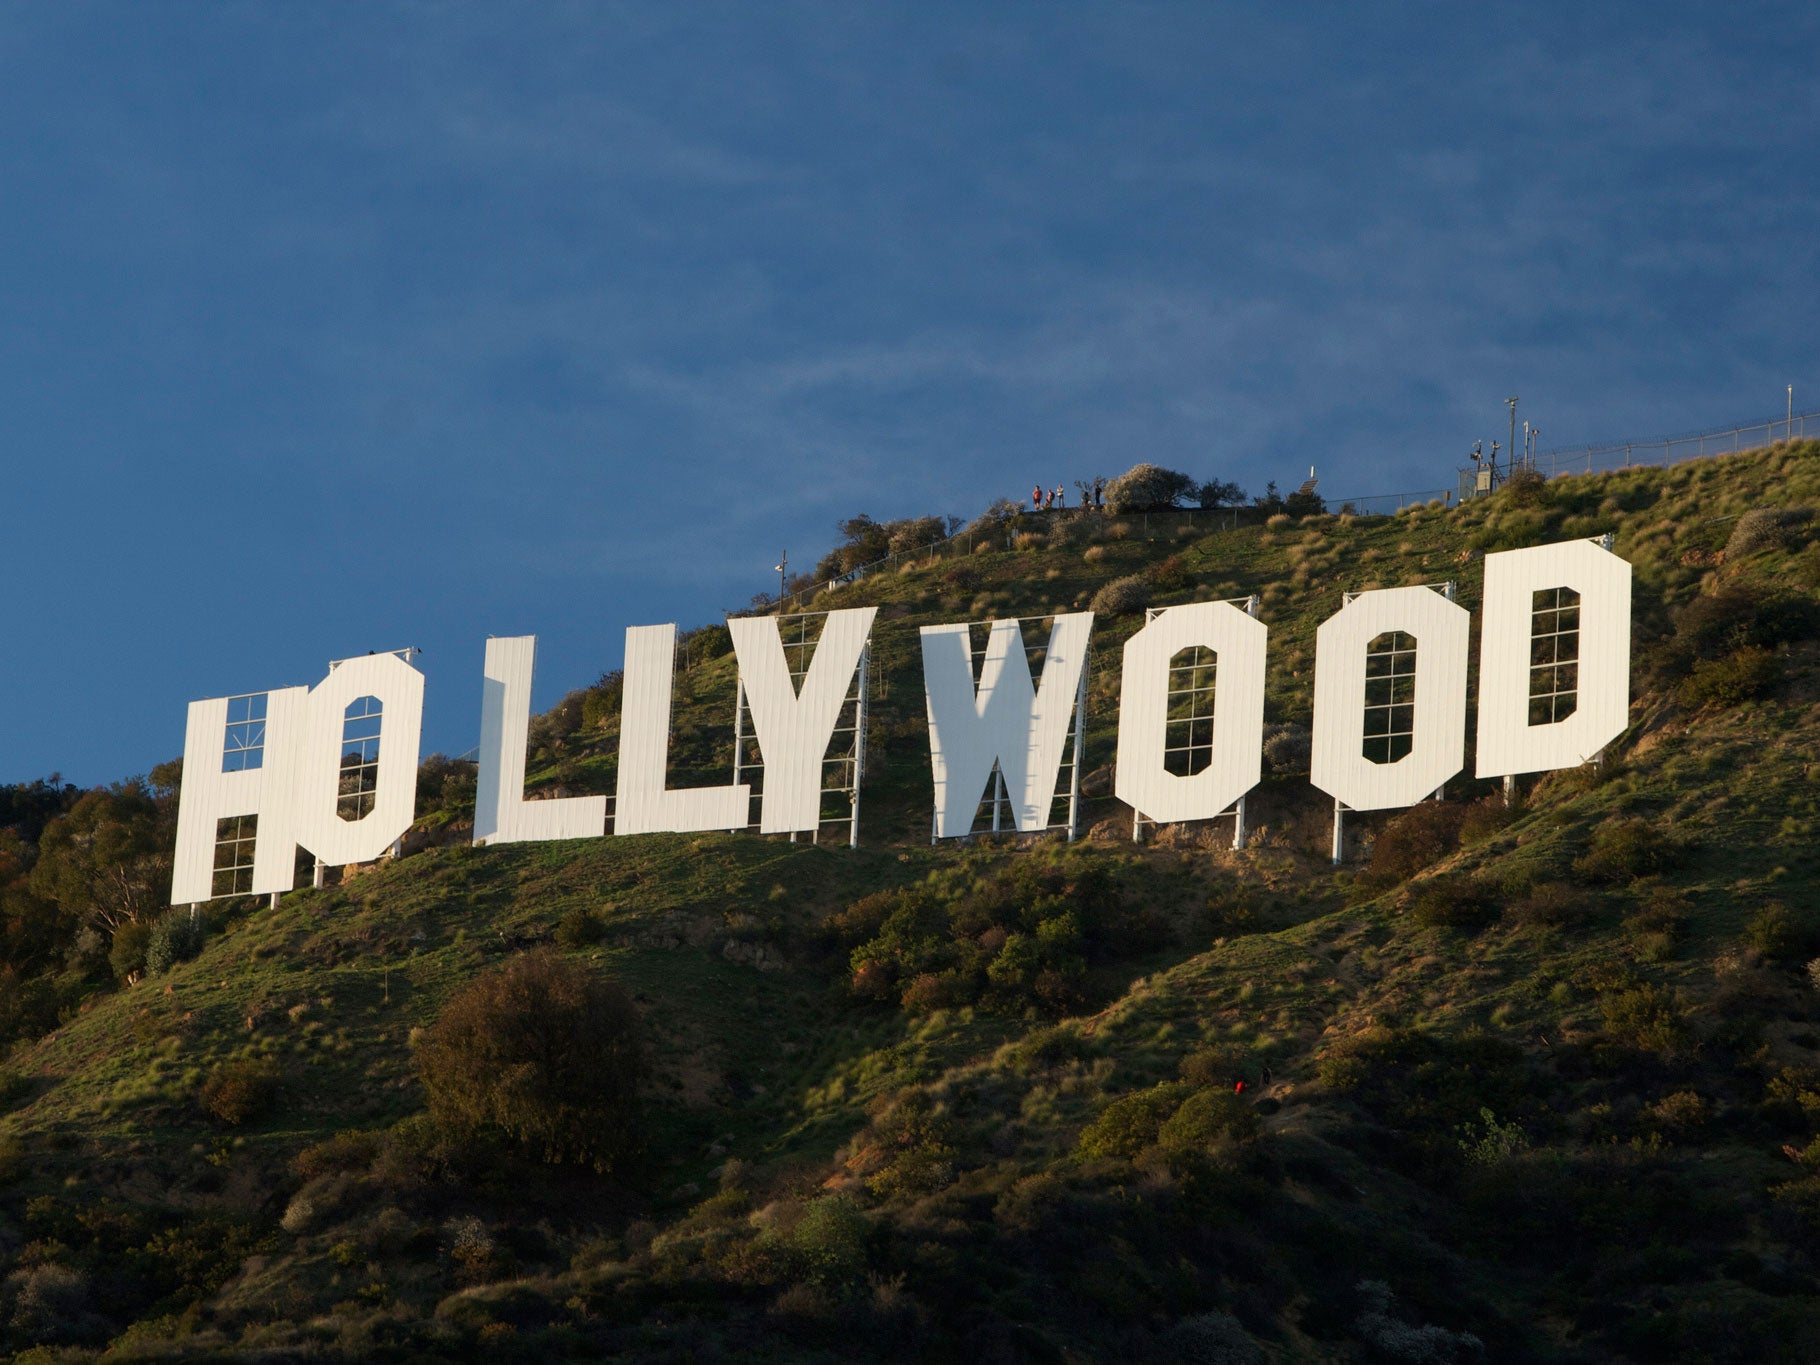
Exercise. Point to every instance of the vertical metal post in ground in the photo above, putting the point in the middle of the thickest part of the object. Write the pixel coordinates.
(1339, 831)
(1510, 791)
(859, 741)
(739, 740)
(1080, 749)
(316, 875)
(1238, 824)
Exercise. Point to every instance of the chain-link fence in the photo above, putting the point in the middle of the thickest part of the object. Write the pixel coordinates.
(1588, 459)
(1609, 455)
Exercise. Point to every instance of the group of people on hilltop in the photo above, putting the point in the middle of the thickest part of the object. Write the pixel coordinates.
(1048, 499)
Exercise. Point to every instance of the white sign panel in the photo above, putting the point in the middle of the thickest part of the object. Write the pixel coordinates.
(1238, 644)
(287, 770)
(793, 728)
(1508, 643)
(1004, 720)
(645, 804)
(501, 814)
(1339, 766)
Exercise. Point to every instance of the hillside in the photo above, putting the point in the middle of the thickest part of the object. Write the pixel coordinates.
(1527, 1084)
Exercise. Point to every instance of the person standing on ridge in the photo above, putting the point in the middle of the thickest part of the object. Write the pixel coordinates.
(1036, 497)
(1061, 496)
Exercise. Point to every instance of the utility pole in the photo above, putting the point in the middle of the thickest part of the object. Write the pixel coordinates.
(1790, 433)
(1510, 450)
(783, 578)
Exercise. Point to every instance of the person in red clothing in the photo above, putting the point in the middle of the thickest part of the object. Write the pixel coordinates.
(1036, 497)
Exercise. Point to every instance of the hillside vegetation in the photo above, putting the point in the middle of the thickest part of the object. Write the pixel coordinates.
(1537, 1082)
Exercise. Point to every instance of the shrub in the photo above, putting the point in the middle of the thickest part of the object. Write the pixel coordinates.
(915, 533)
(1649, 1018)
(1551, 905)
(1121, 596)
(830, 1238)
(1655, 931)
(908, 1148)
(996, 517)
(1130, 1123)
(343, 1154)
(1450, 902)
(1624, 849)
(51, 1301)
(1488, 1142)
(1484, 818)
(1147, 488)
(1218, 1066)
(1220, 493)
(1778, 935)
(1414, 841)
(238, 1092)
(1766, 528)
(1207, 1121)
(127, 955)
(1734, 616)
(1525, 488)
(1169, 574)
(1747, 672)
(580, 928)
(1288, 747)
(445, 783)
(176, 937)
(542, 1050)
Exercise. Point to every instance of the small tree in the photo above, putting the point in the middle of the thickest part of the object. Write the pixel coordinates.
(1147, 488)
(1220, 493)
(543, 1050)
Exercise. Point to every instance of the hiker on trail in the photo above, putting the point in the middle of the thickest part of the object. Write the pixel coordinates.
(1061, 496)
(1036, 497)
(1048, 500)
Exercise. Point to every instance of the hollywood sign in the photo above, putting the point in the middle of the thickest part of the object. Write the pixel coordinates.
(266, 775)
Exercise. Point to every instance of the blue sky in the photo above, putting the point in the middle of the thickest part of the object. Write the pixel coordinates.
(335, 328)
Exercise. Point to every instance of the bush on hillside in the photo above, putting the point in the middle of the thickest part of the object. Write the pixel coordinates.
(1130, 1123)
(1019, 940)
(1649, 1018)
(1525, 487)
(1300, 504)
(1288, 747)
(580, 928)
(445, 783)
(1451, 902)
(1730, 680)
(1777, 933)
(1220, 493)
(1767, 528)
(176, 937)
(865, 541)
(915, 533)
(1122, 596)
(544, 1051)
(1169, 574)
(1147, 488)
(1625, 849)
(997, 516)
(127, 954)
(1733, 617)
(1414, 841)
(239, 1092)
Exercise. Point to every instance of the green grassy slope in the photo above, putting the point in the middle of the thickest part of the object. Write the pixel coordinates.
(1545, 1089)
